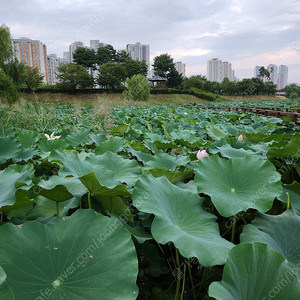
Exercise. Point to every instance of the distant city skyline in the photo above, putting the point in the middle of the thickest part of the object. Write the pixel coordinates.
(246, 33)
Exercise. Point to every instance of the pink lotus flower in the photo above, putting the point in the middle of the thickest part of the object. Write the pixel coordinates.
(201, 154)
(240, 138)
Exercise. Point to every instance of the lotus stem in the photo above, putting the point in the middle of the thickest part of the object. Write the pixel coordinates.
(233, 228)
(183, 282)
(178, 274)
(191, 279)
(288, 204)
(57, 209)
(89, 200)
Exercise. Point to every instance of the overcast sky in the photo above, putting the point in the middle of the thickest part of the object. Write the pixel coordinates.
(245, 33)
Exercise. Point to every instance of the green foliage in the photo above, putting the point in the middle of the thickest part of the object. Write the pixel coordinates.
(137, 88)
(85, 57)
(112, 75)
(6, 51)
(163, 64)
(16, 71)
(72, 76)
(106, 54)
(135, 67)
(33, 78)
(292, 91)
(142, 207)
(8, 90)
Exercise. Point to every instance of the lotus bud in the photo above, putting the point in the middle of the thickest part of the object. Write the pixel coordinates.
(201, 154)
(240, 138)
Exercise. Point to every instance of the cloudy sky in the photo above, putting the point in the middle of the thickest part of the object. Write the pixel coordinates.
(245, 33)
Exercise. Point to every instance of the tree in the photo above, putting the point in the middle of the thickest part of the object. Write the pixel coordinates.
(106, 54)
(8, 90)
(264, 73)
(122, 56)
(269, 88)
(135, 67)
(137, 88)
(193, 82)
(175, 79)
(16, 71)
(6, 51)
(112, 75)
(292, 90)
(85, 57)
(72, 76)
(33, 78)
(163, 64)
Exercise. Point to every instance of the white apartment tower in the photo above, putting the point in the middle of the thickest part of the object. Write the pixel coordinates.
(139, 52)
(282, 77)
(217, 70)
(180, 68)
(53, 63)
(33, 53)
(273, 70)
(95, 45)
(73, 47)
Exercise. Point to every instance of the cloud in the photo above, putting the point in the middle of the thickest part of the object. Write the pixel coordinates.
(245, 33)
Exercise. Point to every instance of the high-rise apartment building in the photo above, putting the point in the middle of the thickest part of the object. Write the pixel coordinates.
(273, 70)
(180, 68)
(66, 57)
(53, 63)
(256, 71)
(33, 53)
(282, 77)
(139, 52)
(73, 47)
(96, 44)
(217, 70)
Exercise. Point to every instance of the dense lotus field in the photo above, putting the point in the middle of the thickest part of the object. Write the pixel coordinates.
(168, 203)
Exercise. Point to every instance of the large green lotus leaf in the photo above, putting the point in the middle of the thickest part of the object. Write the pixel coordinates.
(215, 132)
(80, 137)
(59, 188)
(173, 176)
(97, 179)
(115, 205)
(97, 138)
(230, 152)
(179, 218)
(6, 292)
(43, 208)
(92, 183)
(9, 148)
(280, 232)
(238, 184)
(85, 256)
(10, 182)
(285, 150)
(160, 141)
(255, 271)
(26, 154)
(164, 160)
(50, 145)
(27, 138)
(140, 155)
(113, 144)
(124, 170)
(22, 200)
(186, 137)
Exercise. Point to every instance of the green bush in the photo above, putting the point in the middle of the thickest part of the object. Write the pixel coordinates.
(294, 95)
(8, 90)
(138, 88)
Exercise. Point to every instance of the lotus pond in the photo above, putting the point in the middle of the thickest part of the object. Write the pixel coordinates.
(168, 202)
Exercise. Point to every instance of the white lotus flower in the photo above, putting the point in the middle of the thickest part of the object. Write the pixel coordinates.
(52, 136)
(240, 138)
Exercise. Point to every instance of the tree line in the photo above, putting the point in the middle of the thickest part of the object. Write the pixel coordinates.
(14, 75)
